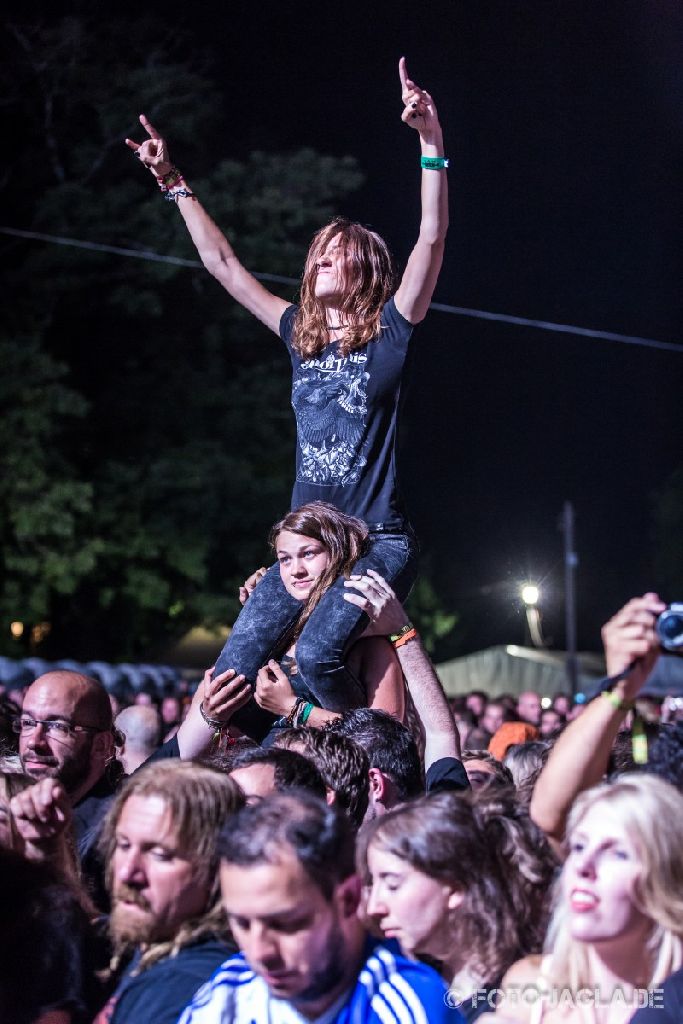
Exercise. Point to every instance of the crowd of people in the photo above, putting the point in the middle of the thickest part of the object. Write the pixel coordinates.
(367, 869)
(317, 834)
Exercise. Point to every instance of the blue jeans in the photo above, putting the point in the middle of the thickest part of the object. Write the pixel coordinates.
(270, 613)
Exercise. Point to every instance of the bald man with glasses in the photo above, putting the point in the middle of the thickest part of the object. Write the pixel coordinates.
(66, 734)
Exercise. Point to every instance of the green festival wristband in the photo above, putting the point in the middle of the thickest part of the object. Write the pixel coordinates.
(616, 701)
(306, 714)
(433, 163)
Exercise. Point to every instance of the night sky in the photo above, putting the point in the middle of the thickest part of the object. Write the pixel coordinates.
(562, 123)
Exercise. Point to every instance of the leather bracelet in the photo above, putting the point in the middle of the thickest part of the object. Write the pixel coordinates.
(298, 704)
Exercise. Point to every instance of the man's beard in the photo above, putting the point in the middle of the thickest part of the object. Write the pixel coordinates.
(70, 773)
(127, 926)
(329, 975)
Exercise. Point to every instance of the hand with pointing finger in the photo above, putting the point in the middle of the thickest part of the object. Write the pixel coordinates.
(419, 110)
(153, 152)
(41, 813)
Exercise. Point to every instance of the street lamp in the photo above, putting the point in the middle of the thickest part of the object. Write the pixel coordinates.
(530, 595)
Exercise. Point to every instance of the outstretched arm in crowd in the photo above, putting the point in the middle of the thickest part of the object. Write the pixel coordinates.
(580, 756)
(422, 270)
(214, 250)
(387, 617)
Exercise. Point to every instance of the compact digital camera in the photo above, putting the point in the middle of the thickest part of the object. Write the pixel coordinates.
(669, 627)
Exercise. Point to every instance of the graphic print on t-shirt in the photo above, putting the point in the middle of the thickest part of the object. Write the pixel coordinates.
(329, 397)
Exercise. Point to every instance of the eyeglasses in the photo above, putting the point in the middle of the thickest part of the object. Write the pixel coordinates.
(55, 727)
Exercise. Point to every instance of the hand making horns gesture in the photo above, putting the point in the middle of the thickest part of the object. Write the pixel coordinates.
(153, 152)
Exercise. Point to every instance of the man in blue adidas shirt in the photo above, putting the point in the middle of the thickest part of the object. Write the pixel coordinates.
(291, 892)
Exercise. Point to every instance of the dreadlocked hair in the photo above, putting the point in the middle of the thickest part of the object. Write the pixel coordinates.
(199, 801)
(344, 537)
(369, 278)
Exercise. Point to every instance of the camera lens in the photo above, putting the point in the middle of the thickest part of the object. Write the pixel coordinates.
(669, 628)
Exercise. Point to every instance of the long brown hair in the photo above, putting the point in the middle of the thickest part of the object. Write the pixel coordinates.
(344, 537)
(487, 848)
(199, 800)
(368, 284)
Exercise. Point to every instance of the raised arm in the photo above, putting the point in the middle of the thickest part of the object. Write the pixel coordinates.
(374, 595)
(580, 756)
(214, 250)
(419, 279)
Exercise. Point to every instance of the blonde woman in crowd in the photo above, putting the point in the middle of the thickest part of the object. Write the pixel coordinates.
(616, 932)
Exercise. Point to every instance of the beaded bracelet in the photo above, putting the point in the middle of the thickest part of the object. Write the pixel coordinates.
(178, 193)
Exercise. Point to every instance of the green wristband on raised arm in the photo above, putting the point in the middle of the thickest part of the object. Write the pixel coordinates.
(433, 163)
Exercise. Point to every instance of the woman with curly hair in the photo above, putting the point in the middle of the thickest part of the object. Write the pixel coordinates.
(462, 881)
(348, 341)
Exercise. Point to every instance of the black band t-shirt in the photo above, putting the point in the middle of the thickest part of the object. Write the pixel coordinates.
(346, 410)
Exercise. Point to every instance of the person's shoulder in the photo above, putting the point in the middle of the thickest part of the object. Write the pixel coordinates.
(206, 956)
(216, 993)
(233, 971)
(163, 990)
(524, 972)
(394, 322)
(665, 1004)
(398, 988)
(527, 973)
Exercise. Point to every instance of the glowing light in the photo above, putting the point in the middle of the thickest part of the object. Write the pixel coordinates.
(16, 629)
(530, 594)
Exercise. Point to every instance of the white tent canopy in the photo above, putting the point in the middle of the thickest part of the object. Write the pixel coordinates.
(512, 669)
